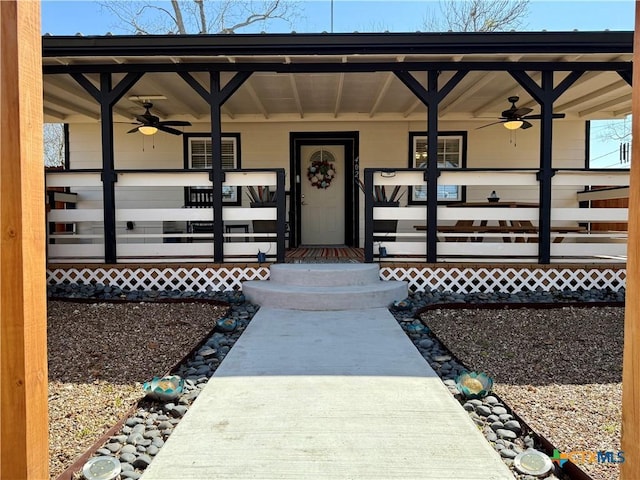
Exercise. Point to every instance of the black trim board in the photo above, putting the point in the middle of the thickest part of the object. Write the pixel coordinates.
(351, 141)
(334, 67)
(338, 44)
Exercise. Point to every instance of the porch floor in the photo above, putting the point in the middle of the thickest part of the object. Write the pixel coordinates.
(324, 254)
(331, 395)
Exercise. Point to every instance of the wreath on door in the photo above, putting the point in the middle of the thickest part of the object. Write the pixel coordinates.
(321, 170)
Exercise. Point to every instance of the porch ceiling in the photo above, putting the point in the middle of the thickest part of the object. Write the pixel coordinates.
(350, 95)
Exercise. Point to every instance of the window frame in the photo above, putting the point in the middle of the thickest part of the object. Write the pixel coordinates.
(187, 161)
(413, 137)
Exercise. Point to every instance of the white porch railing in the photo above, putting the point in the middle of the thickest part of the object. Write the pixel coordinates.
(153, 221)
(477, 230)
(76, 232)
(153, 225)
(518, 188)
(599, 244)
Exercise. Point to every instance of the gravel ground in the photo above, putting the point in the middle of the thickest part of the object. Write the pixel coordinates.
(99, 356)
(560, 369)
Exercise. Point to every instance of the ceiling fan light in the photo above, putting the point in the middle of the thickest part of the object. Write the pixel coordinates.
(513, 124)
(147, 130)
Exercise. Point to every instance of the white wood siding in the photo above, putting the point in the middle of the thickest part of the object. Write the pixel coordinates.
(382, 144)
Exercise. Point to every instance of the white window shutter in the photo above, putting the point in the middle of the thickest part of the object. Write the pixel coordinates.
(201, 153)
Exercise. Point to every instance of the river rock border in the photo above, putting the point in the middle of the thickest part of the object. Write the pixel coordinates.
(502, 428)
(145, 431)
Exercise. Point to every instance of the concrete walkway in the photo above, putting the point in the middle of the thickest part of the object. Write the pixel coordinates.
(326, 395)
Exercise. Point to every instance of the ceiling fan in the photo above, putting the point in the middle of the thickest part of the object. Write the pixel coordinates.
(149, 124)
(516, 117)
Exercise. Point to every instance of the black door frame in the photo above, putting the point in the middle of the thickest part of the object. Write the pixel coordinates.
(350, 141)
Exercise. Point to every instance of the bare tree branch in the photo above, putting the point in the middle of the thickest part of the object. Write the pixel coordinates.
(254, 17)
(477, 15)
(199, 16)
(203, 17)
(53, 136)
(178, 17)
(619, 130)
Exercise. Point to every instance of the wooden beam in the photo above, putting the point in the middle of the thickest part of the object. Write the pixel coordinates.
(62, 103)
(340, 89)
(500, 100)
(381, 94)
(256, 98)
(296, 94)
(228, 112)
(622, 113)
(23, 321)
(483, 80)
(593, 95)
(55, 114)
(602, 106)
(412, 108)
(630, 469)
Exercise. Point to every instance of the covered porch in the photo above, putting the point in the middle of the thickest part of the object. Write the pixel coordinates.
(387, 102)
(505, 231)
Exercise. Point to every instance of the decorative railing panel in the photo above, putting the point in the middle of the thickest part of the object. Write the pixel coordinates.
(156, 222)
(497, 220)
(604, 245)
(421, 278)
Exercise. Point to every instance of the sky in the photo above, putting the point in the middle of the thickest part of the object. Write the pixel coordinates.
(63, 17)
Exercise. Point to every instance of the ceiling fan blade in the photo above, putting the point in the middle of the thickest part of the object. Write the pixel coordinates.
(133, 130)
(176, 123)
(489, 124)
(170, 130)
(521, 112)
(143, 119)
(538, 117)
(526, 125)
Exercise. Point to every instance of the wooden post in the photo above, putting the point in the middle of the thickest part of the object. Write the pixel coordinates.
(23, 348)
(630, 469)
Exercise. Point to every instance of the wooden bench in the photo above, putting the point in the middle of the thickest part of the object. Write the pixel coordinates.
(465, 232)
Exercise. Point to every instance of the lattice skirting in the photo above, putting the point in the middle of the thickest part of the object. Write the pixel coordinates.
(506, 279)
(161, 278)
(443, 278)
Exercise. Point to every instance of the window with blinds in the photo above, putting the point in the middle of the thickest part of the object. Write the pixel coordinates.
(200, 155)
(450, 155)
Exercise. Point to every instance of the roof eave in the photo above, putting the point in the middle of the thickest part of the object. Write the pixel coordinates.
(338, 44)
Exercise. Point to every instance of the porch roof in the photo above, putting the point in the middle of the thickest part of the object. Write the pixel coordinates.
(339, 76)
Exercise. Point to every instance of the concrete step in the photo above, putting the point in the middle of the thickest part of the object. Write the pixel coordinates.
(273, 294)
(325, 274)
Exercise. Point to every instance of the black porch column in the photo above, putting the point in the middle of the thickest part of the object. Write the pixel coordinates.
(368, 214)
(431, 97)
(107, 97)
(546, 167)
(215, 97)
(545, 95)
(432, 168)
(109, 177)
(216, 175)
